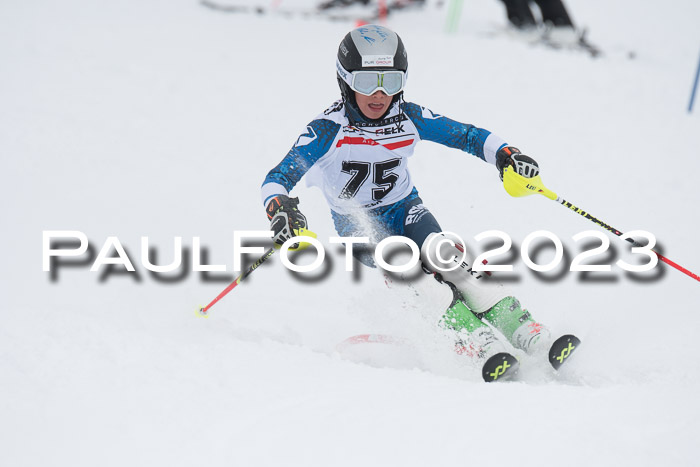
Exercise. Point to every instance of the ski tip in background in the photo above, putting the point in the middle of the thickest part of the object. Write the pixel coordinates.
(370, 339)
(562, 349)
(500, 367)
(381, 351)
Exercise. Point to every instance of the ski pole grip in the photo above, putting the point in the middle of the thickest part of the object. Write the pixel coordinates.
(518, 186)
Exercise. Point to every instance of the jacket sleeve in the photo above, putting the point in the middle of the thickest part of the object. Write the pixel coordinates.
(439, 129)
(308, 148)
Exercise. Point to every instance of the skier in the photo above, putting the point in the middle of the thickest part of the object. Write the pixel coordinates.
(553, 13)
(357, 151)
(556, 28)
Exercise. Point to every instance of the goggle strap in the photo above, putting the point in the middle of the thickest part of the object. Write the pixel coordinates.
(345, 74)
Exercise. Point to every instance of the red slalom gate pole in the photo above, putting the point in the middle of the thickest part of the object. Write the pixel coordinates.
(382, 11)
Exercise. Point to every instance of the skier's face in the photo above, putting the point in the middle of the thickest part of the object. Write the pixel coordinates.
(373, 106)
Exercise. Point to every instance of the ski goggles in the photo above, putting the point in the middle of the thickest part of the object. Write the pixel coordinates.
(368, 82)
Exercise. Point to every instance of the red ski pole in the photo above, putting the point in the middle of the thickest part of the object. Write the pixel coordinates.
(204, 309)
(516, 185)
(299, 233)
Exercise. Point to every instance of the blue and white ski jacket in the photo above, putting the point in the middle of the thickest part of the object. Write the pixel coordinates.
(359, 163)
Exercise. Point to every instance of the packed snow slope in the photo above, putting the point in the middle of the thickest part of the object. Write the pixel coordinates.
(161, 118)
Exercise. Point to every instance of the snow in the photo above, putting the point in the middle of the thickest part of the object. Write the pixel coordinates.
(159, 118)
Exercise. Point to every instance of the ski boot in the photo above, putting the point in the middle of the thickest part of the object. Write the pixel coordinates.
(478, 341)
(526, 334)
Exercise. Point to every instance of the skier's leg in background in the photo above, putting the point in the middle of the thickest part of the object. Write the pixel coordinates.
(554, 12)
(486, 298)
(559, 29)
(519, 13)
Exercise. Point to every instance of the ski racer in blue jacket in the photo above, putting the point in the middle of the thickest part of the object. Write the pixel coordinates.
(357, 152)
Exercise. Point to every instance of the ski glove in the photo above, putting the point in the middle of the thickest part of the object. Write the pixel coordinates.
(508, 156)
(285, 218)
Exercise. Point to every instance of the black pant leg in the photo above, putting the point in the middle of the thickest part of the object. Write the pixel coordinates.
(519, 13)
(554, 12)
